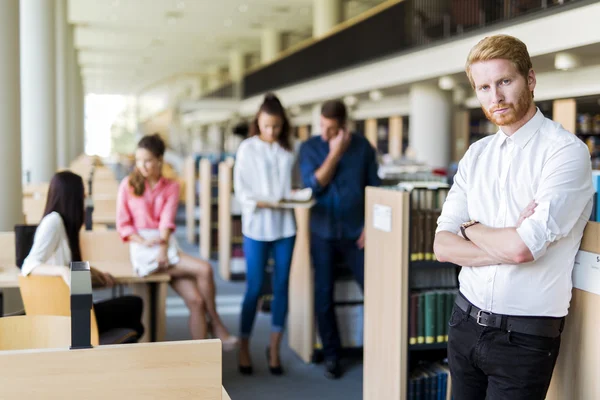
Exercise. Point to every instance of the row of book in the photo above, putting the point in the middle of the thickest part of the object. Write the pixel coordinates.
(430, 382)
(430, 311)
(426, 206)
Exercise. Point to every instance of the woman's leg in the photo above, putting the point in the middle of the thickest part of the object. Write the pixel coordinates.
(202, 272)
(282, 253)
(186, 287)
(256, 253)
(120, 312)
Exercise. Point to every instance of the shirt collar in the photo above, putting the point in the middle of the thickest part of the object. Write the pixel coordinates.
(524, 134)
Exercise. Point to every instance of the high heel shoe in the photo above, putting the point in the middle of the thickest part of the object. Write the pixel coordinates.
(277, 371)
(245, 369)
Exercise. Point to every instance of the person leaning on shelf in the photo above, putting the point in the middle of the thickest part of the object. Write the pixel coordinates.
(146, 208)
(337, 166)
(262, 178)
(514, 219)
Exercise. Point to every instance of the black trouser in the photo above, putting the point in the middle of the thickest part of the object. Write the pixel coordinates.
(120, 312)
(324, 253)
(498, 364)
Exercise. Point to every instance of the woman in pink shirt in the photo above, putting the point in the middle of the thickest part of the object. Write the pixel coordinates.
(146, 208)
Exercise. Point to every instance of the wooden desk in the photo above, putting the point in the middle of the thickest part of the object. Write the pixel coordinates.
(169, 370)
(152, 289)
(224, 395)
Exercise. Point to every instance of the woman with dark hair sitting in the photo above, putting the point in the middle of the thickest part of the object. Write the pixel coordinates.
(56, 245)
(146, 208)
(262, 178)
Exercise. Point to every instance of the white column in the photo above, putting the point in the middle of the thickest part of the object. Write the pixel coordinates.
(38, 89)
(72, 101)
(11, 208)
(62, 114)
(236, 65)
(430, 124)
(326, 15)
(79, 116)
(270, 45)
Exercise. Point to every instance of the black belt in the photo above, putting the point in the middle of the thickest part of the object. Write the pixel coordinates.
(538, 326)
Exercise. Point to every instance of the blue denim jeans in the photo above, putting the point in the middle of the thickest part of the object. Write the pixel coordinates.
(257, 255)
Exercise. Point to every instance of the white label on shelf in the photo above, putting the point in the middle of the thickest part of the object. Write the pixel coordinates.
(586, 272)
(382, 218)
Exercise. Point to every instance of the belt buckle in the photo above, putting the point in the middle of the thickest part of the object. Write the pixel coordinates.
(479, 313)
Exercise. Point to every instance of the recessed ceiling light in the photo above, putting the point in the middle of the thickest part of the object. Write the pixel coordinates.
(228, 22)
(243, 8)
(171, 20)
(181, 5)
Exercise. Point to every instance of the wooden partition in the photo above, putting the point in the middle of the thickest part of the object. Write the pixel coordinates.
(181, 370)
(225, 194)
(386, 295)
(205, 208)
(576, 372)
(190, 176)
(301, 314)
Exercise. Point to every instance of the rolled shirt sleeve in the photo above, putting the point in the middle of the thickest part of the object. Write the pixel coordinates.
(308, 166)
(455, 210)
(169, 211)
(564, 192)
(125, 226)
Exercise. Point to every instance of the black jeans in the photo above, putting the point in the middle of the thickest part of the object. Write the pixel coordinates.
(498, 364)
(120, 312)
(324, 253)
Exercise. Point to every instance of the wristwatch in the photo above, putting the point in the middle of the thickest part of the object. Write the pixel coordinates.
(464, 226)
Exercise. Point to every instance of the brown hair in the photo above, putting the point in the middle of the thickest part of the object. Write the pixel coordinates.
(272, 106)
(335, 109)
(155, 145)
(500, 47)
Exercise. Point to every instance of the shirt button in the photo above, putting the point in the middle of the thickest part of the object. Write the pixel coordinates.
(490, 279)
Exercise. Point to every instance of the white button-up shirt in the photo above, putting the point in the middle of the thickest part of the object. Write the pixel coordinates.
(496, 179)
(263, 172)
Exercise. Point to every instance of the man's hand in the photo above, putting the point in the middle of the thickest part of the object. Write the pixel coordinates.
(152, 242)
(360, 243)
(527, 212)
(340, 142)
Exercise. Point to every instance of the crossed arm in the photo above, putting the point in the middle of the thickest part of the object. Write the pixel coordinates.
(488, 246)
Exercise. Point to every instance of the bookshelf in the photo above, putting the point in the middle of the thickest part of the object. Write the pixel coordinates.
(408, 294)
(230, 226)
(576, 371)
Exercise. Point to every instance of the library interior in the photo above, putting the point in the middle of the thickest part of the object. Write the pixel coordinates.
(298, 199)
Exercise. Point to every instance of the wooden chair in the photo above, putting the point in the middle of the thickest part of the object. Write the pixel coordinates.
(35, 332)
(103, 246)
(49, 295)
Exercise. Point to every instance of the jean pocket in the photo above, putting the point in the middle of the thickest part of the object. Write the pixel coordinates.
(538, 344)
(457, 317)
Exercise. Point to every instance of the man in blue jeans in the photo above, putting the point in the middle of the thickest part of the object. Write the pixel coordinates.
(337, 166)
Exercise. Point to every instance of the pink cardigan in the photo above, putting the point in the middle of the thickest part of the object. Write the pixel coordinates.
(155, 209)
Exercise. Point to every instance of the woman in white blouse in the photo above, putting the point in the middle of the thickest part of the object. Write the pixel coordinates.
(262, 178)
(56, 244)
